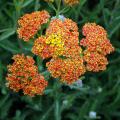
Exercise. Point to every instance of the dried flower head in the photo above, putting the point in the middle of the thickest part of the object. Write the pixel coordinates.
(71, 2)
(31, 23)
(23, 75)
(68, 70)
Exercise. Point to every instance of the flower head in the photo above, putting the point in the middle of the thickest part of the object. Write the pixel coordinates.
(95, 61)
(68, 70)
(23, 75)
(55, 41)
(41, 49)
(29, 24)
(71, 2)
(61, 39)
(97, 46)
(96, 39)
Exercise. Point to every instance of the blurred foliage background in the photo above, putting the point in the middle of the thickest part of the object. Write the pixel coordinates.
(99, 98)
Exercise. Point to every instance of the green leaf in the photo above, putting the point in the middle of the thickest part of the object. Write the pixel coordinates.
(9, 46)
(7, 34)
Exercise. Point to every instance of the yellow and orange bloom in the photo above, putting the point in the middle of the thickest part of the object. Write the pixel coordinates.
(95, 61)
(71, 2)
(29, 24)
(96, 39)
(23, 75)
(61, 38)
(41, 49)
(69, 61)
(68, 70)
(97, 46)
(61, 43)
(67, 28)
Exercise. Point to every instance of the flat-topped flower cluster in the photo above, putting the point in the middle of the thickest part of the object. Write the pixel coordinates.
(68, 61)
(23, 75)
(67, 2)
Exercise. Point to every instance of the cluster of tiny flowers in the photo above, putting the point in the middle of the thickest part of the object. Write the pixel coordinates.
(61, 43)
(68, 70)
(61, 39)
(95, 61)
(97, 47)
(23, 75)
(29, 24)
(71, 2)
(67, 2)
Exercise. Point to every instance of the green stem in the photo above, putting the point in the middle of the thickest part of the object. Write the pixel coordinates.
(58, 10)
(47, 113)
(57, 111)
(37, 5)
(20, 44)
(64, 10)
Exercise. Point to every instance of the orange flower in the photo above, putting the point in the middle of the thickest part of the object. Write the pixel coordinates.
(23, 75)
(97, 46)
(67, 28)
(96, 39)
(71, 2)
(68, 70)
(95, 61)
(73, 51)
(60, 40)
(31, 23)
(41, 49)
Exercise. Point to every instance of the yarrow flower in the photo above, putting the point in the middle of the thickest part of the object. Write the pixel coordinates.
(23, 75)
(41, 49)
(68, 70)
(61, 37)
(61, 42)
(96, 39)
(95, 61)
(97, 46)
(69, 61)
(71, 2)
(29, 24)
(68, 2)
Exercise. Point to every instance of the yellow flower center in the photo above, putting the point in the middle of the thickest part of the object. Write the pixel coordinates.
(56, 41)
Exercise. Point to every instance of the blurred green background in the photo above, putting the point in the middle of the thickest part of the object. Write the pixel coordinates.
(100, 93)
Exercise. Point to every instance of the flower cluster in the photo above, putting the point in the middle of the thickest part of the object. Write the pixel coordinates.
(31, 23)
(95, 61)
(68, 70)
(23, 75)
(60, 40)
(61, 43)
(71, 2)
(67, 2)
(97, 47)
